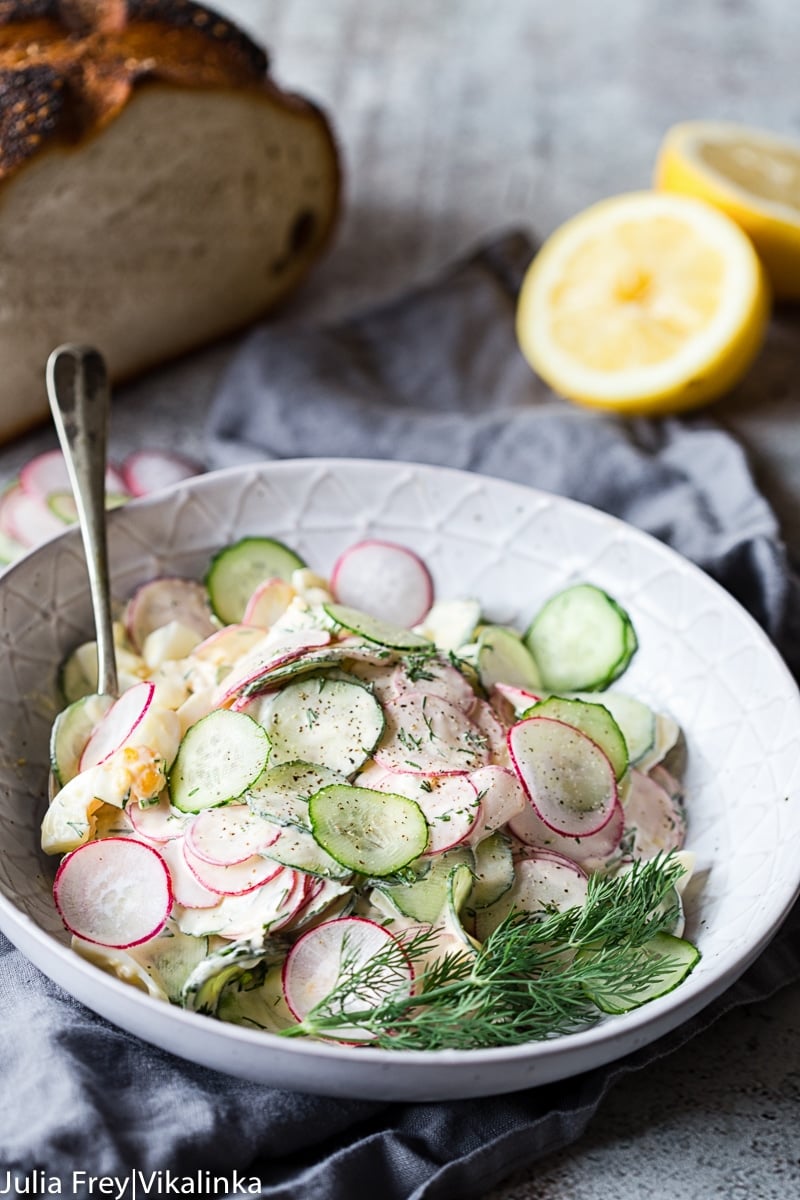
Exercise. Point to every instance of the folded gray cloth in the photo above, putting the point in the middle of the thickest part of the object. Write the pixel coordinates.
(435, 377)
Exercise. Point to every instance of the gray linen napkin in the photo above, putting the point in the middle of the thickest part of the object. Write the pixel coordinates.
(435, 377)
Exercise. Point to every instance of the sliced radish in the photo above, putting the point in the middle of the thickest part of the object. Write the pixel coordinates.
(228, 645)
(159, 822)
(116, 892)
(449, 803)
(502, 798)
(322, 899)
(426, 735)
(47, 473)
(228, 835)
(384, 580)
(591, 851)
(542, 882)
(162, 601)
(249, 915)
(235, 879)
(27, 519)
(436, 678)
(268, 602)
(568, 779)
(489, 727)
(316, 960)
(117, 726)
(271, 654)
(186, 887)
(147, 471)
(654, 818)
(514, 700)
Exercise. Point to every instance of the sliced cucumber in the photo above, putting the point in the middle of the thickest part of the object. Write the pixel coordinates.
(298, 849)
(593, 719)
(235, 573)
(220, 757)
(375, 630)
(679, 958)
(71, 731)
(281, 794)
(332, 722)
(374, 833)
(255, 1002)
(173, 956)
(503, 657)
(494, 871)
(582, 640)
(77, 676)
(203, 988)
(636, 721)
(425, 898)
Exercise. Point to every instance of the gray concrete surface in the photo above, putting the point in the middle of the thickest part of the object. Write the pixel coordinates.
(459, 118)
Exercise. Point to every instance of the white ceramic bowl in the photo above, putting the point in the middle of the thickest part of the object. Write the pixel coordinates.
(702, 658)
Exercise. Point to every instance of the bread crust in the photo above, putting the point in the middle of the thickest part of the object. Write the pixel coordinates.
(68, 67)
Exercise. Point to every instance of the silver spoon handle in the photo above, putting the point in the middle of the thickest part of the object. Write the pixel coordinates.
(77, 387)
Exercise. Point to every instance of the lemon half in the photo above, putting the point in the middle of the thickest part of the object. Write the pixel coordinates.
(644, 303)
(753, 176)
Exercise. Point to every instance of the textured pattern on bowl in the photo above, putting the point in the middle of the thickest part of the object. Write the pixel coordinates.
(702, 658)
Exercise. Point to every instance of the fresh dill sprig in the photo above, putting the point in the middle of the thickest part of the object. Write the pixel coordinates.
(533, 978)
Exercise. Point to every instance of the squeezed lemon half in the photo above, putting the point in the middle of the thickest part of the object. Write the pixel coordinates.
(753, 176)
(644, 303)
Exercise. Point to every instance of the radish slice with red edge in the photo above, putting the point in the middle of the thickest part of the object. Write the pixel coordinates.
(116, 892)
(315, 962)
(425, 735)
(436, 678)
(542, 882)
(502, 797)
(118, 724)
(27, 519)
(230, 834)
(147, 471)
(158, 822)
(384, 580)
(228, 645)
(268, 602)
(234, 880)
(654, 818)
(568, 779)
(186, 887)
(590, 851)
(47, 473)
(161, 601)
(252, 667)
(449, 803)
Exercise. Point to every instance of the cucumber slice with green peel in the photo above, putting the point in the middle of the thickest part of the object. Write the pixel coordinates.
(635, 719)
(172, 956)
(374, 833)
(593, 719)
(71, 731)
(582, 640)
(256, 1003)
(425, 898)
(494, 872)
(503, 657)
(374, 630)
(678, 958)
(459, 886)
(282, 793)
(332, 722)
(235, 573)
(297, 848)
(77, 676)
(219, 758)
(203, 988)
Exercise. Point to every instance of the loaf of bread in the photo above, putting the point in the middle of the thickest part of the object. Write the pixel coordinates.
(157, 189)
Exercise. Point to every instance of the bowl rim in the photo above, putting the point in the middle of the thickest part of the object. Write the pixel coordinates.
(636, 1028)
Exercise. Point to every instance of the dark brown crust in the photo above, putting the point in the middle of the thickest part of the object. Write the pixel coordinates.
(67, 67)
